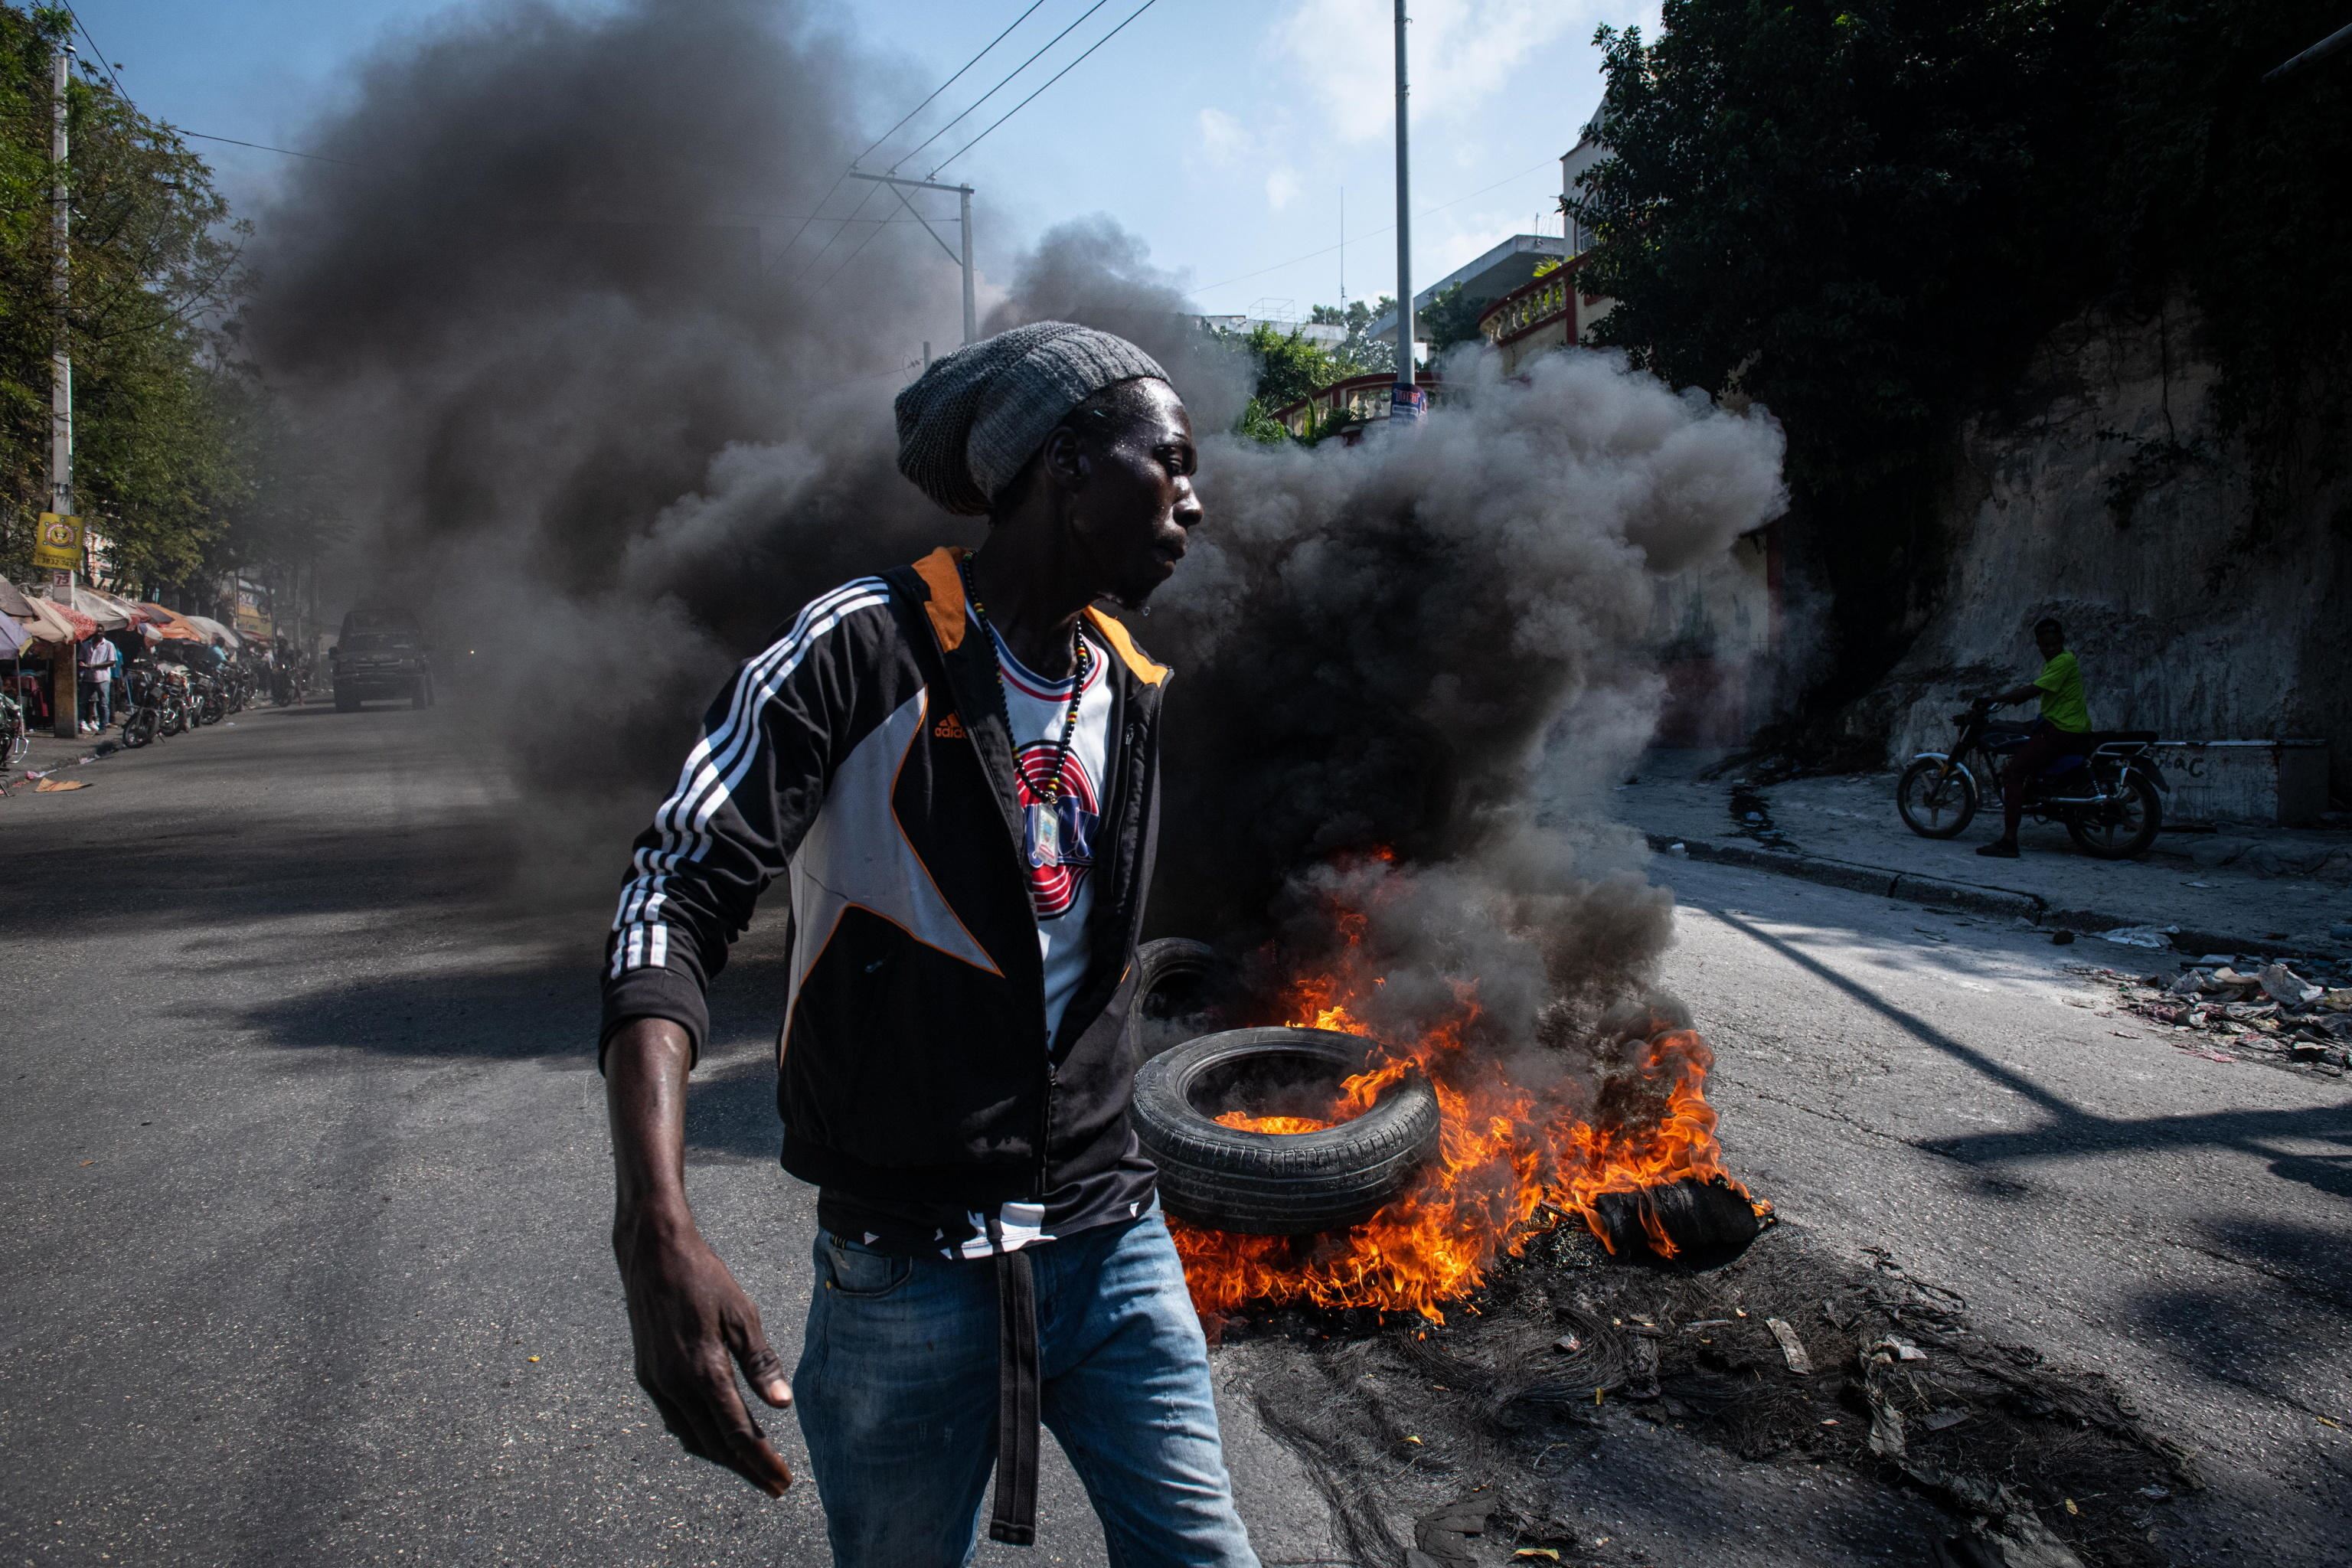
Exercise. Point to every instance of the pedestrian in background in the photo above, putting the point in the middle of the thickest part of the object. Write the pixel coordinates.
(97, 658)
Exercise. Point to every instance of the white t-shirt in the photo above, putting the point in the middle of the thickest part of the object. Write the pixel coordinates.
(1061, 872)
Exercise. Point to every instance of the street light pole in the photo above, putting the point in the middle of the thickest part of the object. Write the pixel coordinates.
(1405, 401)
(65, 698)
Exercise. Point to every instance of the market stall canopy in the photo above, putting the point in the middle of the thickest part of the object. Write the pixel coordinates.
(12, 636)
(171, 624)
(51, 622)
(215, 633)
(13, 601)
(105, 611)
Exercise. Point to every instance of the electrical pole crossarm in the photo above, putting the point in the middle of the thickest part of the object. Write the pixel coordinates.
(899, 187)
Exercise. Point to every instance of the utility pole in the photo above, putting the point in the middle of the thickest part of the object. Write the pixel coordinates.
(971, 302)
(1343, 250)
(65, 698)
(1405, 400)
(961, 256)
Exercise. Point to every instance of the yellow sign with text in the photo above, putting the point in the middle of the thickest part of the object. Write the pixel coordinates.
(57, 546)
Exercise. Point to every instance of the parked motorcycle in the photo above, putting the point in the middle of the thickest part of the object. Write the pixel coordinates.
(14, 741)
(155, 702)
(2109, 794)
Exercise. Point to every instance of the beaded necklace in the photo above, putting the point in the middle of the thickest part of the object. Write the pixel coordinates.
(1045, 823)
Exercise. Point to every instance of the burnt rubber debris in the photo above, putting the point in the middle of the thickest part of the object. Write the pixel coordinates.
(1481, 1440)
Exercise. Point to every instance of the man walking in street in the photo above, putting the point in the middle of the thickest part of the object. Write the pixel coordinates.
(2065, 718)
(954, 767)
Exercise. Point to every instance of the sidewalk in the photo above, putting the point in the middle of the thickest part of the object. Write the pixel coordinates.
(2240, 889)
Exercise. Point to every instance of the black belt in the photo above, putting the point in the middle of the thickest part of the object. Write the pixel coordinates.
(1015, 1519)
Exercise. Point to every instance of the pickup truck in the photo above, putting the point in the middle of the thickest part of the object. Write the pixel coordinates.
(380, 655)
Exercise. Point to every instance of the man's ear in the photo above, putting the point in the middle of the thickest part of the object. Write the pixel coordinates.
(1063, 457)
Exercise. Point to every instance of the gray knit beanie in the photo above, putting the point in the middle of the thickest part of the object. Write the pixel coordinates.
(971, 421)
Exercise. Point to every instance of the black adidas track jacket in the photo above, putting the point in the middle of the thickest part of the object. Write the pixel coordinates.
(863, 756)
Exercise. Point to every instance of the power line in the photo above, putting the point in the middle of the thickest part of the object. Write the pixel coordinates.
(102, 62)
(1000, 86)
(266, 147)
(1050, 80)
(1367, 234)
(796, 238)
(949, 83)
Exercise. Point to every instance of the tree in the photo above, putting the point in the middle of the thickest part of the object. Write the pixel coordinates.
(1864, 212)
(1361, 352)
(155, 268)
(1450, 319)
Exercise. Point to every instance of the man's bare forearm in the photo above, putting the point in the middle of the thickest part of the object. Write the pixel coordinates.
(644, 1096)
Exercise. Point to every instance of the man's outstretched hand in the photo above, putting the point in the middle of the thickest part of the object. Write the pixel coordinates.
(691, 1323)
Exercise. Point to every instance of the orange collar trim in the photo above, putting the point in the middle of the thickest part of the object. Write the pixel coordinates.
(938, 571)
(1116, 633)
(939, 574)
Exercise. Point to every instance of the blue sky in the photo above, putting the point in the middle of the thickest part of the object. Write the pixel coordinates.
(1259, 112)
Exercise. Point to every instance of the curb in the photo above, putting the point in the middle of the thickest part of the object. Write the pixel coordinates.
(2033, 908)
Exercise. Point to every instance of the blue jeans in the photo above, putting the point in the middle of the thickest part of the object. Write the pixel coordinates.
(897, 1393)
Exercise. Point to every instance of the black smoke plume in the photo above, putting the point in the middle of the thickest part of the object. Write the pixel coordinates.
(610, 411)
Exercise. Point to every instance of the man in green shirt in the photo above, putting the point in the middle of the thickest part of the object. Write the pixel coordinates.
(2065, 720)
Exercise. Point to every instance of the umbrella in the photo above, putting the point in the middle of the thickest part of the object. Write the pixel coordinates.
(215, 633)
(44, 625)
(105, 611)
(65, 623)
(172, 625)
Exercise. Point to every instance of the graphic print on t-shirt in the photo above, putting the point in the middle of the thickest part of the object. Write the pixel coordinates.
(1057, 843)
(1058, 870)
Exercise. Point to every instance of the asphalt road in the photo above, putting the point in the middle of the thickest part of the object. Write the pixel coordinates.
(305, 1173)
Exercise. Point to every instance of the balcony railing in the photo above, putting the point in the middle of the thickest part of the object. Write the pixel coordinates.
(1535, 303)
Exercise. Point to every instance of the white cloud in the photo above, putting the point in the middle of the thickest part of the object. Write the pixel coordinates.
(1221, 139)
(1462, 51)
(1281, 187)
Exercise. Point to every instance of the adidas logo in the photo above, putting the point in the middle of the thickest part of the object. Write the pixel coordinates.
(949, 729)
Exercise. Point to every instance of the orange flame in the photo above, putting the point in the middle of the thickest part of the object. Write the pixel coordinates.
(1511, 1163)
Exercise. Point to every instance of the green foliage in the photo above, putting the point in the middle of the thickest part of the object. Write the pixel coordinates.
(1361, 353)
(1450, 319)
(1864, 214)
(163, 414)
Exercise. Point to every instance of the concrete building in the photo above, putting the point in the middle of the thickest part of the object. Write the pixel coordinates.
(1490, 277)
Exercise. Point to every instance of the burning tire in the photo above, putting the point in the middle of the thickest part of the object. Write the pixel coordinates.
(1277, 1183)
(1174, 961)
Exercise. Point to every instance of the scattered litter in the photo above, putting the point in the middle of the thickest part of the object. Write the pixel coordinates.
(1792, 1349)
(2330, 1421)
(2196, 884)
(1887, 1439)
(2158, 937)
(534, 1358)
(2337, 999)
(2071, 1507)
(1568, 1343)
(2287, 988)
(1938, 1420)
(1530, 1553)
(2061, 938)
(1678, 847)
(58, 786)
(2155, 1494)
(1895, 1348)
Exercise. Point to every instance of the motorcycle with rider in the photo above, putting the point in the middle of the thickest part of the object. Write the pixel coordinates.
(2103, 785)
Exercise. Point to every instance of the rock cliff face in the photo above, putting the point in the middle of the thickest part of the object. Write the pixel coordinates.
(2103, 494)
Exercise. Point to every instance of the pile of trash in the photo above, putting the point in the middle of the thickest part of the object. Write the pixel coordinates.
(2249, 1006)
